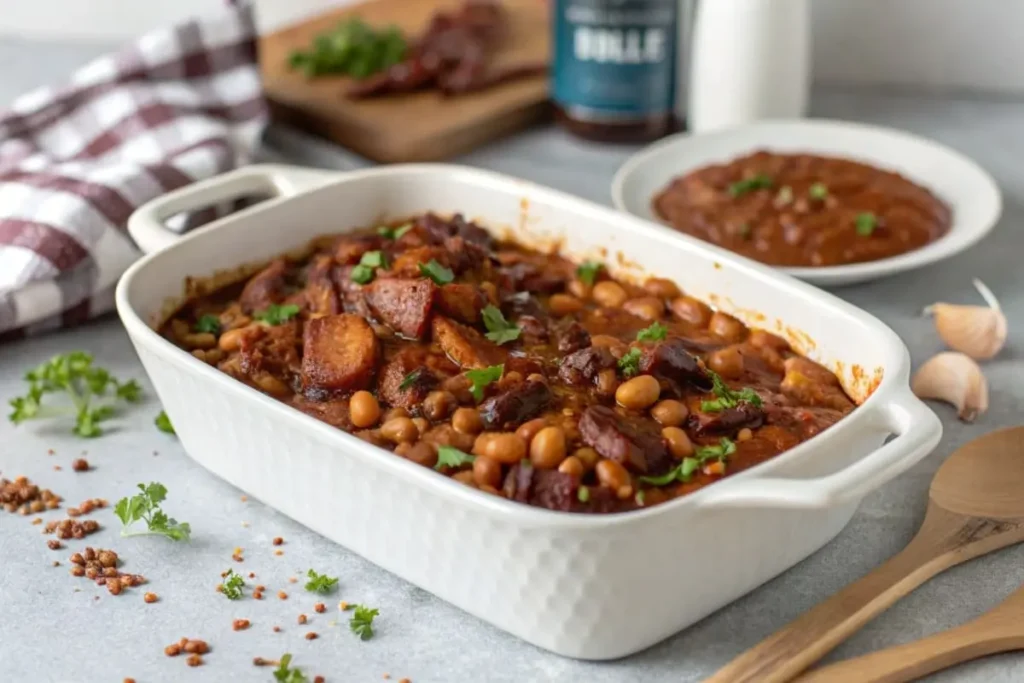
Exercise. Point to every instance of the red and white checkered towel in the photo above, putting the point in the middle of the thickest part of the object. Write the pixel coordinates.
(178, 105)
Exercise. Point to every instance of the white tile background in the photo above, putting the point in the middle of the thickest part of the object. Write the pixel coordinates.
(929, 44)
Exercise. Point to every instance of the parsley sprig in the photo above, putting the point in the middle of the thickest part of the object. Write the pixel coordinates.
(761, 181)
(145, 506)
(367, 268)
(727, 397)
(629, 364)
(436, 272)
(655, 332)
(285, 674)
(390, 233)
(410, 379)
(483, 377)
(866, 223)
(320, 583)
(701, 456)
(499, 330)
(275, 314)
(587, 272)
(163, 423)
(449, 456)
(85, 384)
(208, 323)
(232, 585)
(361, 622)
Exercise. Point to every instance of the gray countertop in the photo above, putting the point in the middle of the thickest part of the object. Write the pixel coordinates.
(61, 628)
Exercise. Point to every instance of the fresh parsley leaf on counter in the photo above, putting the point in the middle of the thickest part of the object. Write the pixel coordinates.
(285, 674)
(390, 233)
(866, 223)
(75, 375)
(163, 423)
(320, 583)
(587, 272)
(409, 379)
(761, 181)
(436, 272)
(275, 314)
(655, 332)
(145, 506)
(361, 622)
(232, 585)
(208, 323)
(629, 364)
(353, 48)
(818, 191)
(449, 456)
(499, 330)
(481, 378)
(727, 397)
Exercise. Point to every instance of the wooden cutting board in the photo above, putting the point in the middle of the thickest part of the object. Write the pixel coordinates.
(422, 126)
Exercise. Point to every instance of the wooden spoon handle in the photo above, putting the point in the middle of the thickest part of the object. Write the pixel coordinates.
(913, 660)
(782, 656)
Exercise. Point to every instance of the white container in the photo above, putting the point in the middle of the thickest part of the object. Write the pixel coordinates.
(587, 586)
(750, 61)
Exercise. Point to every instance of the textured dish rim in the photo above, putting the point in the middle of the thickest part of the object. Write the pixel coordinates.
(867, 416)
(958, 238)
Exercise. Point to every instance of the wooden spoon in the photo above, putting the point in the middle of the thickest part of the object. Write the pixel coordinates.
(975, 506)
(1001, 629)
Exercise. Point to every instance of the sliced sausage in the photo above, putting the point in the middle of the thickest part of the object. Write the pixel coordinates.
(349, 249)
(509, 409)
(339, 355)
(404, 305)
(265, 287)
(320, 296)
(466, 347)
(400, 371)
(582, 367)
(571, 337)
(550, 489)
(728, 421)
(633, 442)
(462, 302)
(670, 360)
(407, 264)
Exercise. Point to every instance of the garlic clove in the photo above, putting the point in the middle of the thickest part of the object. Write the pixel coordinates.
(956, 379)
(978, 331)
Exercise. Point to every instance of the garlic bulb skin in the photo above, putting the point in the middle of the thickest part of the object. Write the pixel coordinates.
(955, 378)
(977, 331)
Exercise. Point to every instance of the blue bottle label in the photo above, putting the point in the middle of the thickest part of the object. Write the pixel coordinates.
(615, 59)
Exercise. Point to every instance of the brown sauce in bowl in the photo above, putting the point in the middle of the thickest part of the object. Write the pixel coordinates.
(803, 210)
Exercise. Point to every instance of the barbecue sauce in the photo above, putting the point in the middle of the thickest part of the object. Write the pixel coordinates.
(615, 68)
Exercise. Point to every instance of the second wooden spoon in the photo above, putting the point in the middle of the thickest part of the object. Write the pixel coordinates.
(975, 506)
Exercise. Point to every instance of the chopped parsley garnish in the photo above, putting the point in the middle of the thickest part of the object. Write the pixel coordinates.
(285, 674)
(275, 314)
(818, 191)
(208, 323)
(389, 233)
(361, 622)
(163, 423)
(640, 497)
(410, 379)
(686, 468)
(727, 397)
(482, 377)
(583, 494)
(320, 583)
(655, 332)
(587, 272)
(629, 364)
(499, 330)
(370, 261)
(760, 181)
(145, 506)
(449, 456)
(73, 374)
(866, 223)
(232, 585)
(785, 195)
(436, 272)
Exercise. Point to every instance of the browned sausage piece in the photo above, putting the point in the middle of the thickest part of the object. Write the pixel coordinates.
(400, 371)
(339, 354)
(466, 347)
(404, 305)
(320, 295)
(460, 301)
(265, 287)
(633, 442)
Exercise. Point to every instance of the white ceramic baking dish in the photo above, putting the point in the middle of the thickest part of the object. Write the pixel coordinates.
(586, 586)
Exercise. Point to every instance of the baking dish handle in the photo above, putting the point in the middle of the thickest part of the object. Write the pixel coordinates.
(917, 431)
(147, 225)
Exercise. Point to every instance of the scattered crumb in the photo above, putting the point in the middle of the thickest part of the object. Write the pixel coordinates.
(277, 629)
(282, 595)
(278, 540)
(302, 619)
(320, 608)
(37, 520)
(54, 544)
(71, 528)
(245, 498)
(80, 465)
(57, 468)
(259, 661)
(318, 679)
(279, 552)
(194, 660)
(386, 676)
(198, 647)
(56, 563)
(343, 605)
(252, 575)
(257, 595)
(404, 680)
(150, 597)
(50, 451)
(292, 579)
(311, 636)
(129, 680)
(245, 524)
(172, 650)
(240, 624)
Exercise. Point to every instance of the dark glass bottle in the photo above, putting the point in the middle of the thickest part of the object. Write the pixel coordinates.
(614, 75)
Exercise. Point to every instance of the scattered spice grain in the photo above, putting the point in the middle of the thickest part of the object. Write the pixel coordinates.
(311, 636)
(319, 608)
(80, 465)
(302, 619)
(172, 650)
(194, 660)
(278, 540)
(282, 595)
(21, 495)
(54, 544)
(71, 528)
(150, 597)
(240, 624)
(277, 629)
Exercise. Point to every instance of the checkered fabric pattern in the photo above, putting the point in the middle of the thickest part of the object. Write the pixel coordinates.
(178, 105)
